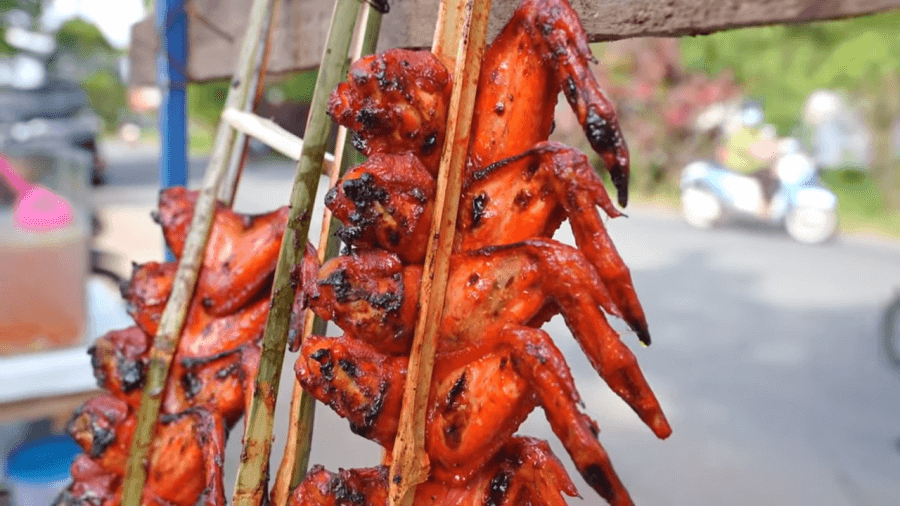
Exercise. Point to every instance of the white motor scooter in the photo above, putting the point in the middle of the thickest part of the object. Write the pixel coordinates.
(711, 195)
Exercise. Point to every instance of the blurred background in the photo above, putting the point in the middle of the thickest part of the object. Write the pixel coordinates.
(769, 291)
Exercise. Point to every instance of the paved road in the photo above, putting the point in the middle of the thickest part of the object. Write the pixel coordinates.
(766, 358)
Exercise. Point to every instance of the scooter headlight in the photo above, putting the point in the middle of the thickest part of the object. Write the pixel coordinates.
(793, 169)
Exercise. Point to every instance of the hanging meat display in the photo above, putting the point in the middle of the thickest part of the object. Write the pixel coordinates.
(508, 276)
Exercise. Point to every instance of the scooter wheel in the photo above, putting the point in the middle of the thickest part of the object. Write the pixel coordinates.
(810, 225)
(700, 208)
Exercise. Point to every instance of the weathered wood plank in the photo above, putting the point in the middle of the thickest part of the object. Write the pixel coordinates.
(216, 26)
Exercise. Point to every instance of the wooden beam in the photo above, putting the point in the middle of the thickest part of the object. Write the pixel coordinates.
(215, 24)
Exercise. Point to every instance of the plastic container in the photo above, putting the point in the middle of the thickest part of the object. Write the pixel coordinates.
(43, 274)
(38, 470)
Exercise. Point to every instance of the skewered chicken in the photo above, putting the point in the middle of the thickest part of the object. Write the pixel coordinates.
(515, 185)
(523, 473)
(507, 276)
(212, 374)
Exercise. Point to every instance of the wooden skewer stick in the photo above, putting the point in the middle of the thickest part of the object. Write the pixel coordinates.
(171, 323)
(271, 134)
(410, 464)
(251, 488)
(295, 460)
(239, 147)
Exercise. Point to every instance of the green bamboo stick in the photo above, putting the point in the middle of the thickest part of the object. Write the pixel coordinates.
(172, 320)
(303, 409)
(250, 488)
(238, 157)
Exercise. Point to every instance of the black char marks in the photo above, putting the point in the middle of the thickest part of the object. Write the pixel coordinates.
(337, 280)
(373, 411)
(326, 364)
(343, 493)
(349, 367)
(388, 301)
(456, 391)
(191, 384)
(429, 144)
(478, 204)
(132, 374)
(499, 488)
(363, 190)
(368, 118)
(101, 438)
(599, 133)
(597, 479)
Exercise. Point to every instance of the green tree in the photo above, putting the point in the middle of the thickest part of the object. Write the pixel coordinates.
(106, 94)
(82, 39)
(783, 64)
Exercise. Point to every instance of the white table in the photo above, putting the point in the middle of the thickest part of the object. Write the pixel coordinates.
(52, 383)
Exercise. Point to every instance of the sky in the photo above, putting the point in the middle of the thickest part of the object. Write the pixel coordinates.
(113, 17)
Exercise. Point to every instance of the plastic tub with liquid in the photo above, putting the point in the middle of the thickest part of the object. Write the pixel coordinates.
(43, 273)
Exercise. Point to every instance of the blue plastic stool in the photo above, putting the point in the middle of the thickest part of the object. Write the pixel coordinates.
(38, 470)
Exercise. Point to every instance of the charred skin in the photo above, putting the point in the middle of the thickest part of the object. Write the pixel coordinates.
(204, 333)
(524, 472)
(104, 427)
(357, 381)
(385, 203)
(522, 197)
(91, 485)
(119, 360)
(558, 183)
(211, 378)
(216, 360)
(241, 254)
(185, 462)
(486, 340)
(526, 283)
(507, 276)
(349, 487)
(541, 51)
(516, 186)
(395, 103)
(567, 42)
(373, 296)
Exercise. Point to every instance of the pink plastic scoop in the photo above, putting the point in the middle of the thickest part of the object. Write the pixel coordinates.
(37, 208)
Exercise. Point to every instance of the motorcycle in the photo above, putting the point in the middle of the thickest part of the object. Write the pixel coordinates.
(712, 195)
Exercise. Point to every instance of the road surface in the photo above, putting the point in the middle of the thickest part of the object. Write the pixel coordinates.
(765, 357)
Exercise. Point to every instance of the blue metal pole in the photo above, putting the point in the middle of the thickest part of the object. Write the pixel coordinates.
(171, 66)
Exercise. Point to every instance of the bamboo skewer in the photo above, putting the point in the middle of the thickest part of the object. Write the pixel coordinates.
(173, 318)
(272, 134)
(238, 157)
(295, 460)
(250, 489)
(298, 443)
(410, 464)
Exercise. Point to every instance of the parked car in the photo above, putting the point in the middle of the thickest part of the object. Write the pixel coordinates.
(56, 112)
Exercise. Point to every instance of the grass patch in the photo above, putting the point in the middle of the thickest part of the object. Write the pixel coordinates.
(861, 206)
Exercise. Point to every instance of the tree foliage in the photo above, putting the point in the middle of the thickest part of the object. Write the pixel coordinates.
(106, 94)
(783, 64)
(82, 39)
